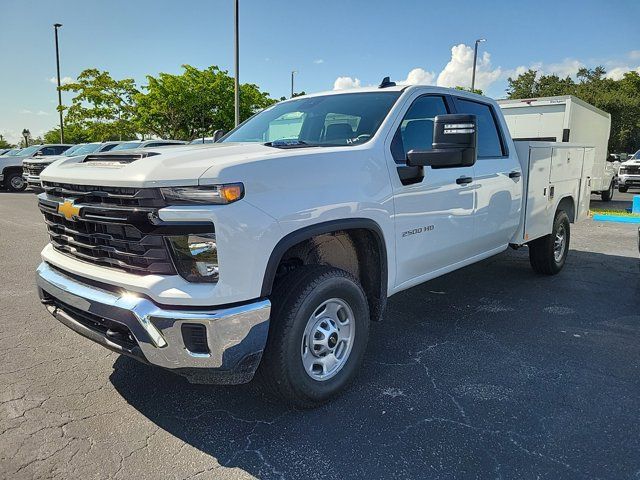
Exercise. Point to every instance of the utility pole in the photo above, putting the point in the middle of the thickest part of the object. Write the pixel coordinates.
(475, 60)
(293, 72)
(56, 26)
(237, 64)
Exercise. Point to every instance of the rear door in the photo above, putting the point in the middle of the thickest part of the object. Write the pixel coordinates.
(497, 184)
(433, 208)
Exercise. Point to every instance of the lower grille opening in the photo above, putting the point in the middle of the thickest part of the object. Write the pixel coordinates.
(194, 336)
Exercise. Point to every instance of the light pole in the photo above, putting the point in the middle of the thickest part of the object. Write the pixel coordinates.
(475, 60)
(56, 26)
(293, 72)
(237, 65)
(26, 134)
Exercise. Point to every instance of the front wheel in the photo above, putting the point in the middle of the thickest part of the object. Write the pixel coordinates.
(15, 182)
(548, 254)
(607, 195)
(317, 337)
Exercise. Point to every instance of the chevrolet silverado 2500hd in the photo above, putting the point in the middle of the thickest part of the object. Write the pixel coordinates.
(272, 249)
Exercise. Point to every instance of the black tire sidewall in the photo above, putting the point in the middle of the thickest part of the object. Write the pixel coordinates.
(333, 287)
(10, 187)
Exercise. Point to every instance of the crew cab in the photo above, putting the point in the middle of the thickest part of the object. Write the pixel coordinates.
(32, 167)
(271, 250)
(11, 165)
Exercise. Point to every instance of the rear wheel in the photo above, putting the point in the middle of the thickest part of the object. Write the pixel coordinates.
(608, 194)
(15, 182)
(317, 337)
(548, 254)
(623, 189)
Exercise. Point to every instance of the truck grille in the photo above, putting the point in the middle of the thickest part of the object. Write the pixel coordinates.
(114, 227)
(632, 169)
(33, 168)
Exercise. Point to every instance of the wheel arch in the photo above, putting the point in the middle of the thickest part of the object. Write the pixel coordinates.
(375, 285)
(567, 204)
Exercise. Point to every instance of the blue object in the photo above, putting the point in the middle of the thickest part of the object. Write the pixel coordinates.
(615, 218)
(636, 204)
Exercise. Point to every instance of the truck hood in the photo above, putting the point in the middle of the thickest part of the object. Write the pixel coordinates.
(46, 160)
(183, 165)
(630, 162)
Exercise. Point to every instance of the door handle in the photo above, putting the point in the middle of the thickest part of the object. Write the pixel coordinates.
(515, 174)
(464, 180)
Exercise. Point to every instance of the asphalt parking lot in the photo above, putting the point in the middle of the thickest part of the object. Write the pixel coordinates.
(488, 372)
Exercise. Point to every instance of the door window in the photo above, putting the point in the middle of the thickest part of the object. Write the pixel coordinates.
(489, 144)
(416, 130)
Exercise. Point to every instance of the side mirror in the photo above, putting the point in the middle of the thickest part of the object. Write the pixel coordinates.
(38, 154)
(455, 139)
(218, 134)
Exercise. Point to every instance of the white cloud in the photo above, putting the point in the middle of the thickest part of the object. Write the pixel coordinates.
(42, 113)
(418, 76)
(343, 83)
(63, 80)
(459, 69)
(634, 54)
(25, 111)
(318, 61)
(618, 72)
(11, 136)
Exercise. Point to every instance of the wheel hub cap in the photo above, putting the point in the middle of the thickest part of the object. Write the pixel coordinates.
(327, 340)
(559, 244)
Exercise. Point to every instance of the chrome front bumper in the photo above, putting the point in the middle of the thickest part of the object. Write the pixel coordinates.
(236, 336)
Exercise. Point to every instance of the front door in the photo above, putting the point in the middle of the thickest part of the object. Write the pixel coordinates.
(434, 214)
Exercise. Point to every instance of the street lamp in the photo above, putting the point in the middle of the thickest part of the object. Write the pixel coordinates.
(26, 134)
(475, 60)
(237, 64)
(56, 26)
(293, 72)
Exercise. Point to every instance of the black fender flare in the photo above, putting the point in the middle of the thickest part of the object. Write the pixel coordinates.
(310, 231)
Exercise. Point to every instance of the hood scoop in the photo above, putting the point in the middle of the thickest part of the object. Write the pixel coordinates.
(112, 159)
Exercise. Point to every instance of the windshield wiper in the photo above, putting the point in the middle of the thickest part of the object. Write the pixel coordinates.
(292, 143)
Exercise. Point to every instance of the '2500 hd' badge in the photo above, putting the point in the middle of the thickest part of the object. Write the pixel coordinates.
(69, 210)
(415, 231)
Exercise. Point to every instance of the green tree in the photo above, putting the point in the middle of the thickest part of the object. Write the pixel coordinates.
(73, 133)
(194, 103)
(4, 143)
(103, 107)
(468, 89)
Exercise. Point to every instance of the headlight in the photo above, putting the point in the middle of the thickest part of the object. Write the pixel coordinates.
(195, 256)
(207, 195)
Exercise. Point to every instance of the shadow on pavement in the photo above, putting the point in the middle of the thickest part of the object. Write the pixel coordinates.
(491, 371)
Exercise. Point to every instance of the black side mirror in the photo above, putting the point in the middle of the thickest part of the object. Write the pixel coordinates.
(218, 134)
(455, 139)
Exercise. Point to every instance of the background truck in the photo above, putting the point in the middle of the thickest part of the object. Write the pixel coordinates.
(11, 176)
(565, 119)
(272, 250)
(629, 173)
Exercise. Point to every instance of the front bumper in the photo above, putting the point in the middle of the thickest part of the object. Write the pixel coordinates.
(134, 325)
(33, 181)
(629, 180)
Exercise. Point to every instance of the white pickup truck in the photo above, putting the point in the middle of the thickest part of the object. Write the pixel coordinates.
(273, 249)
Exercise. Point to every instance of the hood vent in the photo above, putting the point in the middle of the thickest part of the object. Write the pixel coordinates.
(117, 158)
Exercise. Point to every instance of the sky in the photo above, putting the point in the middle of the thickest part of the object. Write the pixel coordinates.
(330, 43)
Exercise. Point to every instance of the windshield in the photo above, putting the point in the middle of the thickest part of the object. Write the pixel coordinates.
(82, 149)
(126, 146)
(635, 156)
(13, 153)
(329, 120)
(30, 150)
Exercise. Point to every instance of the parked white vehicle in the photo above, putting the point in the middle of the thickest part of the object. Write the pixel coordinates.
(11, 164)
(629, 173)
(275, 247)
(567, 119)
(33, 167)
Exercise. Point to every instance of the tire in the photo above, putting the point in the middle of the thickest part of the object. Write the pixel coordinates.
(607, 195)
(15, 183)
(296, 313)
(623, 189)
(545, 254)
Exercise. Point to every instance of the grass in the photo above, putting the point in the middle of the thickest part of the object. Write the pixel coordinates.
(608, 211)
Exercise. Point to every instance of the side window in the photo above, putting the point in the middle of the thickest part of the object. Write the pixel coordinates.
(60, 149)
(416, 129)
(489, 144)
(106, 148)
(285, 127)
(48, 151)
